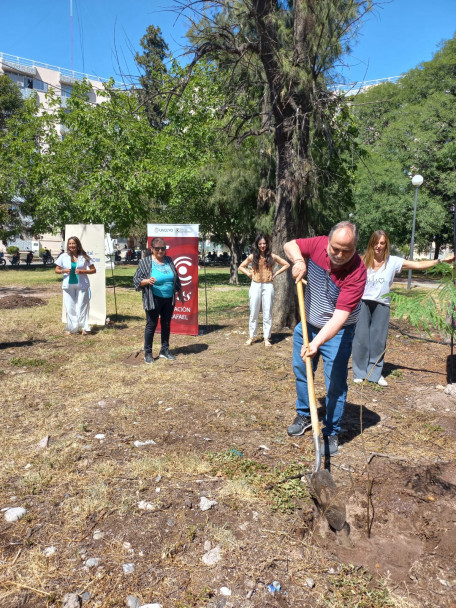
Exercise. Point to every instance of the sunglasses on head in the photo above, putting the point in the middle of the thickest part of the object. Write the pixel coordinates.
(160, 248)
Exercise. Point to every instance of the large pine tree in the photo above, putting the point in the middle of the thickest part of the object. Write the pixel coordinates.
(280, 57)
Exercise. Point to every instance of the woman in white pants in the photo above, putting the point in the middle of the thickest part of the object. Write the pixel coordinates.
(261, 294)
(75, 265)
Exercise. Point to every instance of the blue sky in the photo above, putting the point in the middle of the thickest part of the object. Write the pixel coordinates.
(106, 34)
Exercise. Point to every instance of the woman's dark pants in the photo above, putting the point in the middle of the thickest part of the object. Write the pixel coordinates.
(164, 309)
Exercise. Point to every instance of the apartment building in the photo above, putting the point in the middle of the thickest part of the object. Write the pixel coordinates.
(35, 77)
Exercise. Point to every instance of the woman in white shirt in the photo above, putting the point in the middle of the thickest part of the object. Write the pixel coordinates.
(371, 331)
(75, 265)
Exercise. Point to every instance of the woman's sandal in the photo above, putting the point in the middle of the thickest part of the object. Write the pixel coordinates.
(250, 341)
(267, 342)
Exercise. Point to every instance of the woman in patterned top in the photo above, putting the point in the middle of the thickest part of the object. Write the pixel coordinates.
(371, 332)
(158, 279)
(261, 293)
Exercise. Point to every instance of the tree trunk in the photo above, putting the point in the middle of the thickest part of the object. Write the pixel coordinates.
(235, 248)
(285, 312)
(438, 244)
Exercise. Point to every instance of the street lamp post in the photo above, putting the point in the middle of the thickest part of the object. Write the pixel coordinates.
(417, 180)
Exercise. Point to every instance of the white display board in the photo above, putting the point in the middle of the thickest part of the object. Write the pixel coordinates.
(92, 239)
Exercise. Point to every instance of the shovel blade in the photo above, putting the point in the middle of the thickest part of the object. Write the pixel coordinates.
(328, 498)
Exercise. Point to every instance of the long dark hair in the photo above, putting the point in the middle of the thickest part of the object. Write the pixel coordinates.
(256, 252)
(80, 250)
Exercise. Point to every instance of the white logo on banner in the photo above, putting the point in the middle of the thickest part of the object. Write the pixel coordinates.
(183, 264)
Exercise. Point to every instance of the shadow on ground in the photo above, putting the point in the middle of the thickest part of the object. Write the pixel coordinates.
(389, 368)
(209, 328)
(451, 369)
(351, 422)
(5, 345)
(191, 349)
(279, 337)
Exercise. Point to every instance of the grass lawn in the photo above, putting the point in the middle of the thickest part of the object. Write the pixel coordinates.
(111, 460)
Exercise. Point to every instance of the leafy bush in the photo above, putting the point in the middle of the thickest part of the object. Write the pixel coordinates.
(431, 310)
(12, 249)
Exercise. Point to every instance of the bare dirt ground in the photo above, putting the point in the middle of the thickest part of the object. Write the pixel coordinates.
(132, 449)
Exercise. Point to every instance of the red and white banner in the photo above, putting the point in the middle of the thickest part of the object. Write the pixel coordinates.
(182, 246)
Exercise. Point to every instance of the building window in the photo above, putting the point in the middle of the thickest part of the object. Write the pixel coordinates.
(66, 91)
(65, 94)
(27, 84)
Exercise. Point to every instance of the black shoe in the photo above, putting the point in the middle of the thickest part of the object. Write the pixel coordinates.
(165, 354)
(148, 358)
(330, 445)
(300, 425)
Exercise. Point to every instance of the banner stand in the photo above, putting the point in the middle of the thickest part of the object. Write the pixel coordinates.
(205, 283)
(182, 246)
(111, 255)
(451, 379)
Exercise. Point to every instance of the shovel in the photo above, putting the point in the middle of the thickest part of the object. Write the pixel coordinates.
(322, 484)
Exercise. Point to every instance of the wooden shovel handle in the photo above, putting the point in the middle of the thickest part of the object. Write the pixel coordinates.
(309, 373)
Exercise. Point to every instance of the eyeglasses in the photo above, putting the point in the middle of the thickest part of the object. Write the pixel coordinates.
(160, 248)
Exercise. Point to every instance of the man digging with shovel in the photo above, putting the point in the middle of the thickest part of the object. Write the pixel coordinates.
(336, 278)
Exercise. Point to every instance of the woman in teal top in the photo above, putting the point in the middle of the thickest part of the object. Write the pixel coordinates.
(158, 279)
(75, 265)
(163, 285)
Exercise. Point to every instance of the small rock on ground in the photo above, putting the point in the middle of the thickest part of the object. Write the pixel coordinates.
(43, 443)
(98, 534)
(133, 602)
(146, 506)
(213, 556)
(14, 513)
(450, 390)
(206, 504)
(138, 444)
(71, 600)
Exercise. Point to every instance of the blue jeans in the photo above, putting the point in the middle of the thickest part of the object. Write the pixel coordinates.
(335, 353)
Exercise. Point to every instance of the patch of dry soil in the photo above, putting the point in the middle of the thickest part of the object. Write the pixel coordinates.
(16, 301)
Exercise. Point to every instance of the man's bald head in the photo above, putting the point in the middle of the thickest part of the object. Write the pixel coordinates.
(343, 239)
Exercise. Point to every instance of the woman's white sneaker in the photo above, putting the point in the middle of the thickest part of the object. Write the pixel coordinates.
(382, 381)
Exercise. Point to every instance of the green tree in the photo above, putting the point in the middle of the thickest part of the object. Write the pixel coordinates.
(84, 163)
(11, 104)
(152, 63)
(276, 59)
(206, 178)
(410, 128)
(19, 159)
(234, 211)
(10, 99)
